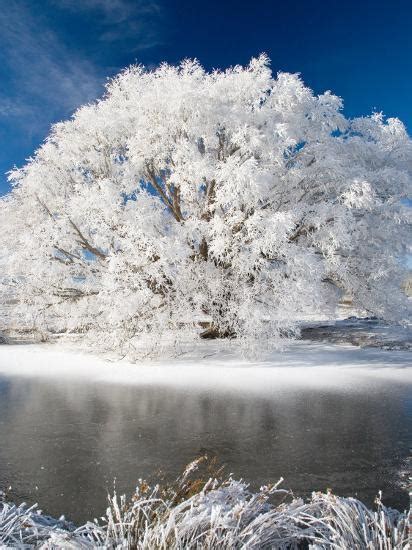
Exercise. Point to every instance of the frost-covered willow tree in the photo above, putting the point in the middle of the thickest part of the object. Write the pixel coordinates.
(231, 198)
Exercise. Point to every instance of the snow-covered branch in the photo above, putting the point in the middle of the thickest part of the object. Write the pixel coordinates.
(231, 200)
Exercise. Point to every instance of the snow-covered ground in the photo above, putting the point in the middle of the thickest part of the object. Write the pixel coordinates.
(303, 363)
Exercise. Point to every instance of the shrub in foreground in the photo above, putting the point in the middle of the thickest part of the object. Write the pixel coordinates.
(201, 511)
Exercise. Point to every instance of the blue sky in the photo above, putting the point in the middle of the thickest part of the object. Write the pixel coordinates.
(56, 54)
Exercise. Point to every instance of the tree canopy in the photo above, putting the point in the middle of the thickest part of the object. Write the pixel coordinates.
(183, 198)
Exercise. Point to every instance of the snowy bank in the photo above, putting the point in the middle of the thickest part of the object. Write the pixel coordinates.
(362, 332)
(210, 366)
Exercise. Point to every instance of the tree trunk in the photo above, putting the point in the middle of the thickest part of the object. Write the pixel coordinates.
(213, 332)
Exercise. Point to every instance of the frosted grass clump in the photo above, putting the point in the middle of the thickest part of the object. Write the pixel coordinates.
(212, 513)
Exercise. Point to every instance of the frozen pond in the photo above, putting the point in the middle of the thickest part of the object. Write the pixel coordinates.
(62, 442)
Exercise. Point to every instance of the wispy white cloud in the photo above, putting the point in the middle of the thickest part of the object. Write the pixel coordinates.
(114, 10)
(46, 73)
(9, 108)
(123, 19)
(47, 77)
(43, 76)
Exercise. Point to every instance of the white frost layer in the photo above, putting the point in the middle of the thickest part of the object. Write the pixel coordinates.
(301, 365)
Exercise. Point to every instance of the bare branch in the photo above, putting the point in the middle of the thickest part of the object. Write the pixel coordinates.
(167, 201)
(85, 244)
(45, 207)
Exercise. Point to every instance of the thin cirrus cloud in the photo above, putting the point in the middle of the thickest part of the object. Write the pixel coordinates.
(42, 65)
(41, 74)
(136, 21)
(56, 56)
